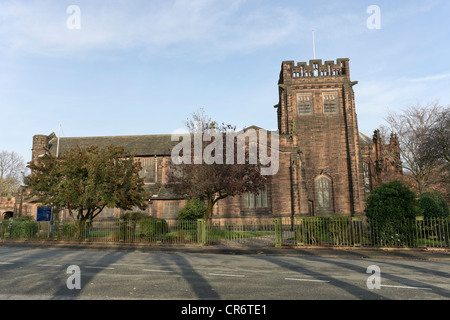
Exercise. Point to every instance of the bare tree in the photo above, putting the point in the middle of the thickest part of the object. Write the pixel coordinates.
(12, 170)
(211, 182)
(437, 142)
(412, 128)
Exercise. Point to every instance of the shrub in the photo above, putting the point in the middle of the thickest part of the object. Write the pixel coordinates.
(24, 227)
(66, 230)
(391, 210)
(127, 225)
(194, 209)
(153, 227)
(430, 208)
(124, 232)
(134, 216)
(392, 201)
(440, 200)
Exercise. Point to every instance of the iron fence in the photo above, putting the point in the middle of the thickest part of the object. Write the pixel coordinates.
(307, 231)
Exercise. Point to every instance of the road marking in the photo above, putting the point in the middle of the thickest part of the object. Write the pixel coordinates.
(156, 270)
(405, 287)
(226, 275)
(6, 262)
(90, 267)
(50, 265)
(309, 280)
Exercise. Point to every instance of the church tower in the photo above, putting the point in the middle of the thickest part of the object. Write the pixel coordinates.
(316, 112)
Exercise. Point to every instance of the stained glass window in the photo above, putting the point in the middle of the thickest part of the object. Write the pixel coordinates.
(323, 193)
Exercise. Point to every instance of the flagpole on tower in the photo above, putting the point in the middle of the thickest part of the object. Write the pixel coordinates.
(314, 45)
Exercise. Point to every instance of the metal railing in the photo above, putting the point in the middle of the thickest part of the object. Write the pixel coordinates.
(308, 231)
(360, 231)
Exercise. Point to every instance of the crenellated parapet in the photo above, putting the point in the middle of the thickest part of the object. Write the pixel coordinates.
(315, 68)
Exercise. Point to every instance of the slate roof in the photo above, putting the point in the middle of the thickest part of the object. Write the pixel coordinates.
(142, 145)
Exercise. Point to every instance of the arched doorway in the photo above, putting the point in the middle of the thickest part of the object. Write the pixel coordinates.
(8, 215)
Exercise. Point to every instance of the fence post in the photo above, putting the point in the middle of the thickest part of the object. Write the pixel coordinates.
(420, 232)
(278, 232)
(299, 231)
(356, 233)
(201, 231)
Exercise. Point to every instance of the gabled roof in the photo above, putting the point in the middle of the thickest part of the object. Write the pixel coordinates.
(364, 139)
(143, 145)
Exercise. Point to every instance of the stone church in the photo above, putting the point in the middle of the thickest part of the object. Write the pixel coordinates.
(326, 166)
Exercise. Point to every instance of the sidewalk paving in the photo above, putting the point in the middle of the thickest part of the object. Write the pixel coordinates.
(343, 252)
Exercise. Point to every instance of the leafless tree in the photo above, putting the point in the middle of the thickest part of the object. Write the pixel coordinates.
(12, 170)
(211, 182)
(437, 142)
(412, 128)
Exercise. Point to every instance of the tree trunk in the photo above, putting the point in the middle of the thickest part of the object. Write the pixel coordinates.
(209, 208)
(81, 228)
(421, 186)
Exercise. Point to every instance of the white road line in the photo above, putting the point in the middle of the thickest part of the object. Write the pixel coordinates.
(309, 280)
(90, 267)
(6, 262)
(156, 270)
(226, 275)
(49, 265)
(405, 287)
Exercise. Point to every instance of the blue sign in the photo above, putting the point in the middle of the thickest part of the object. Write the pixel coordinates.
(44, 214)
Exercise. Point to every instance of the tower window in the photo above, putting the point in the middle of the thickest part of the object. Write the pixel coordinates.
(330, 102)
(304, 103)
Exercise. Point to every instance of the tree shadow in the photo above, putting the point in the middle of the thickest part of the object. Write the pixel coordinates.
(199, 285)
(356, 291)
(56, 288)
(360, 291)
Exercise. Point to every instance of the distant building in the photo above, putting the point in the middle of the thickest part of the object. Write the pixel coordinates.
(326, 166)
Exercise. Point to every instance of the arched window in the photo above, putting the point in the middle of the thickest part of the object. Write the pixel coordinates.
(323, 187)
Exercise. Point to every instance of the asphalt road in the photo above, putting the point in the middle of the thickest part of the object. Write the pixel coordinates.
(33, 273)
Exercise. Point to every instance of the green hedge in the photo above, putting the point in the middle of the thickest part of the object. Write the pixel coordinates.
(23, 227)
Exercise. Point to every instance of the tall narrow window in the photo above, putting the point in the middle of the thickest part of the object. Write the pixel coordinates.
(148, 169)
(305, 103)
(330, 102)
(323, 187)
(366, 177)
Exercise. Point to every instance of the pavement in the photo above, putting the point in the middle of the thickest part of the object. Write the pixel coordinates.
(430, 254)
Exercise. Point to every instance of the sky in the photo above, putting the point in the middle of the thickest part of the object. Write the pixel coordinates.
(135, 67)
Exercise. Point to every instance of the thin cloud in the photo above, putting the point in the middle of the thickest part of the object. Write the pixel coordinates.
(427, 78)
(211, 26)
